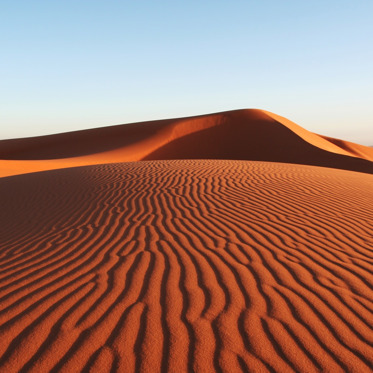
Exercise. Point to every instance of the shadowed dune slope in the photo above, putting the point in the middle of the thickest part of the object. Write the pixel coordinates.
(362, 151)
(187, 265)
(238, 135)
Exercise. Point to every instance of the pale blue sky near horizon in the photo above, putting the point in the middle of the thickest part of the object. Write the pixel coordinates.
(69, 65)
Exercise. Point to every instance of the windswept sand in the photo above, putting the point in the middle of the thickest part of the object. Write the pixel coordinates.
(205, 265)
(189, 265)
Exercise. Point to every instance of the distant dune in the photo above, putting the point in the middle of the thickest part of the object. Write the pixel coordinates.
(238, 135)
(187, 245)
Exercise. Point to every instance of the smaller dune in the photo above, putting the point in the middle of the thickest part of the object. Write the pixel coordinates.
(365, 152)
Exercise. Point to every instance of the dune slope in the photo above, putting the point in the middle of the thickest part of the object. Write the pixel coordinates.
(238, 135)
(187, 265)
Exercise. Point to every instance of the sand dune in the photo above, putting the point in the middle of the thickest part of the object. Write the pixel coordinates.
(214, 243)
(237, 135)
(187, 265)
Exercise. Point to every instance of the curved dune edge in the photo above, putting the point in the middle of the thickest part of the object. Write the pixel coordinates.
(324, 142)
(361, 151)
(238, 135)
(205, 265)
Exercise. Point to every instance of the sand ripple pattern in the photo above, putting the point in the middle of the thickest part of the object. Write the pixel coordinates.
(187, 266)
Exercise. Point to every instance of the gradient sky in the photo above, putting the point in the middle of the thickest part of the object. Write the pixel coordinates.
(74, 64)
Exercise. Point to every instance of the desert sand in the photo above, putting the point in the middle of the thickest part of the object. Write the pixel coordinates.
(229, 242)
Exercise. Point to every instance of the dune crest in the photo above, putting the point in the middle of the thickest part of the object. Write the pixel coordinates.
(238, 135)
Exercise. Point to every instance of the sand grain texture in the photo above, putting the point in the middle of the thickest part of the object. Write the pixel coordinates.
(187, 265)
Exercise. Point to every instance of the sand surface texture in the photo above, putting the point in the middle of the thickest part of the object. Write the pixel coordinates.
(188, 265)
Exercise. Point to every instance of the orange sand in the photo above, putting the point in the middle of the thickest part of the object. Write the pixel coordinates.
(186, 265)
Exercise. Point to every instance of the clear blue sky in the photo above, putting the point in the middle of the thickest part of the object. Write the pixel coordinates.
(74, 64)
